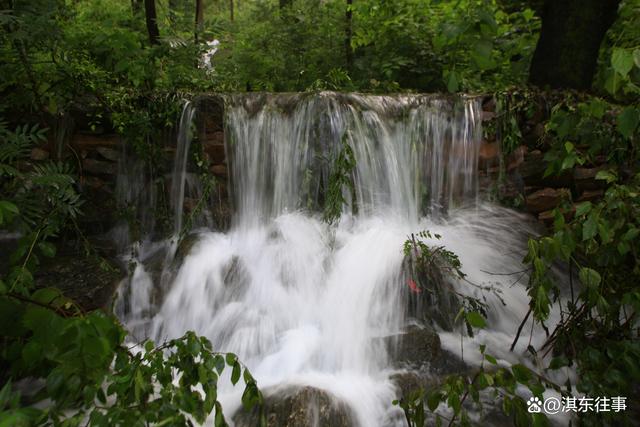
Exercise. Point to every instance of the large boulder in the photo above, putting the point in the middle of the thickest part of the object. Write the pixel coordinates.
(418, 348)
(299, 407)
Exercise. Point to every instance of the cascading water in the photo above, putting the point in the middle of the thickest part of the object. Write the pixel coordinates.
(179, 177)
(305, 303)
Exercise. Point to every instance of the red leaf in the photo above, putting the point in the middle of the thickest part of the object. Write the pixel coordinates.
(413, 286)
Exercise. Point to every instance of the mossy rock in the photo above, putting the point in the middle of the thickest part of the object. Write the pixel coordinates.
(299, 407)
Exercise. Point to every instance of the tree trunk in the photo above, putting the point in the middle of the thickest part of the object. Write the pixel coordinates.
(199, 18)
(152, 21)
(231, 10)
(347, 36)
(570, 38)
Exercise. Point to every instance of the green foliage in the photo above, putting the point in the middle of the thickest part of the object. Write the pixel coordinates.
(619, 61)
(288, 49)
(89, 372)
(407, 44)
(498, 382)
(433, 270)
(598, 242)
(582, 132)
(340, 180)
(81, 360)
(598, 332)
(427, 259)
(482, 47)
(37, 202)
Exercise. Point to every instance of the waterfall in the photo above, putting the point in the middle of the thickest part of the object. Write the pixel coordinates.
(303, 302)
(179, 176)
(412, 152)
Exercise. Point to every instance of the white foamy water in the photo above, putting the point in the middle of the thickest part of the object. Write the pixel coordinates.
(304, 303)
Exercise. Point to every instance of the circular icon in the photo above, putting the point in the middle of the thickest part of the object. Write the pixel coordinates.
(552, 405)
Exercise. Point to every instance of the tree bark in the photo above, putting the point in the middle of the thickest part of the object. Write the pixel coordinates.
(347, 36)
(231, 10)
(152, 21)
(199, 18)
(570, 38)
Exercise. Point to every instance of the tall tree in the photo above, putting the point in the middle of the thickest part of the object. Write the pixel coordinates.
(199, 18)
(152, 21)
(231, 9)
(570, 38)
(347, 35)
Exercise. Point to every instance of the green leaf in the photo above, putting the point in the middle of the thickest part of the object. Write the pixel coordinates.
(219, 418)
(583, 208)
(631, 234)
(46, 296)
(636, 57)
(622, 61)
(231, 359)
(491, 359)
(433, 400)
(590, 227)
(589, 277)
(521, 373)
(597, 108)
(235, 373)
(528, 14)
(542, 303)
(7, 211)
(5, 394)
(607, 175)
(628, 121)
(569, 147)
(47, 249)
(475, 319)
(612, 83)
(454, 402)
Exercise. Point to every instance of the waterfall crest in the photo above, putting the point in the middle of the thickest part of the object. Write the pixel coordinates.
(414, 153)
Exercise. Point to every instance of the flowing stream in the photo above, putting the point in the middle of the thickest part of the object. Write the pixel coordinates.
(307, 303)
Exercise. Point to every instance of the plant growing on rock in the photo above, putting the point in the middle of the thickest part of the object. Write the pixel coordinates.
(431, 265)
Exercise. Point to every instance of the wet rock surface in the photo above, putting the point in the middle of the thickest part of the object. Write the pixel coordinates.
(546, 199)
(89, 281)
(299, 407)
(419, 349)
